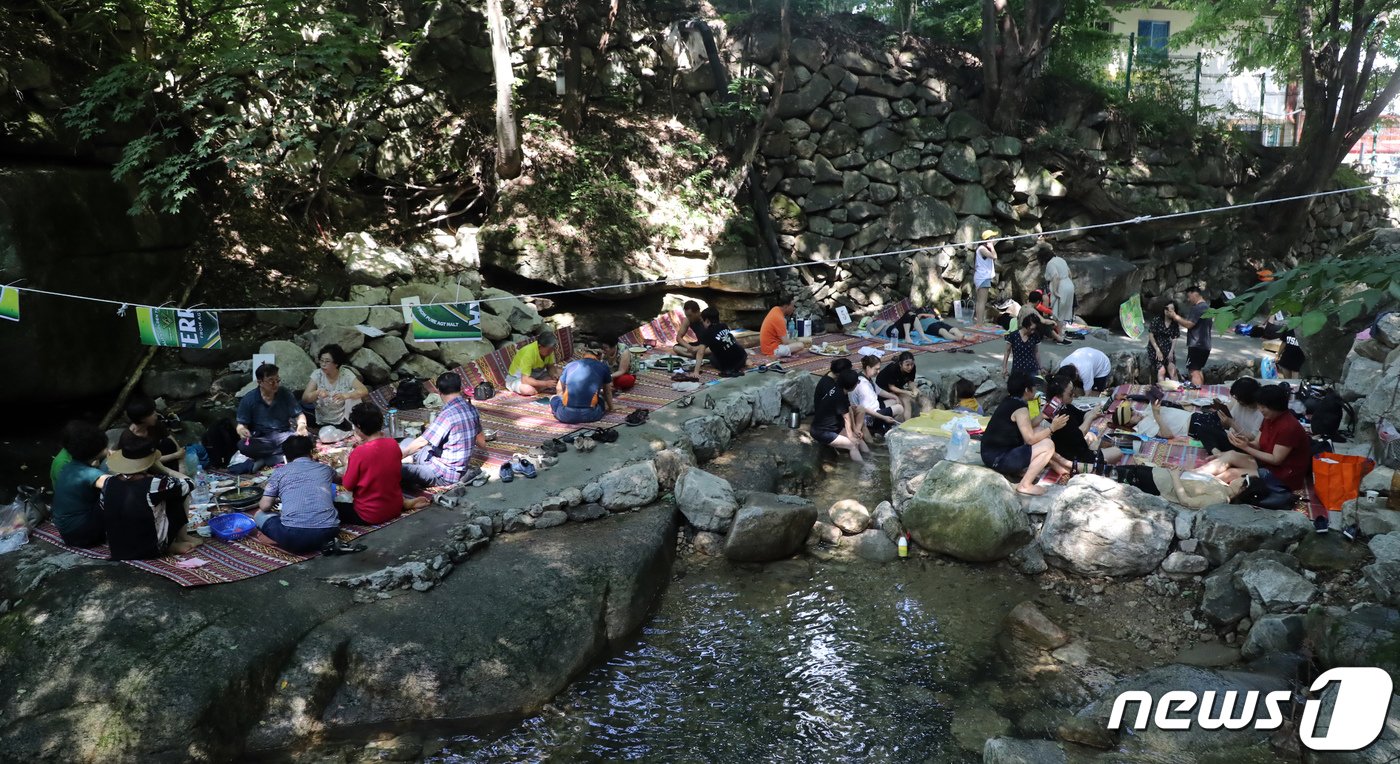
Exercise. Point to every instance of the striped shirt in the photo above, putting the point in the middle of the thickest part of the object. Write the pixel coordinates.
(452, 436)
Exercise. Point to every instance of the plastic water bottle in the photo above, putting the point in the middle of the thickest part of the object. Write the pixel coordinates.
(792, 328)
(904, 545)
(393, 423)
(191, 463)
(201, 495)
(958, 445)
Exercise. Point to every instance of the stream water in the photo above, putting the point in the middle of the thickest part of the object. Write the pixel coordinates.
(790, 661)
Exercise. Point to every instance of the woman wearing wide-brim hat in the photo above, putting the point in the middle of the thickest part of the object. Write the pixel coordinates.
(144, 514)
(984, 272)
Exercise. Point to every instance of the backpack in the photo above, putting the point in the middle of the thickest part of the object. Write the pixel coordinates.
(1327, 412)
(484, 391)
(220, 443)
(408, 395)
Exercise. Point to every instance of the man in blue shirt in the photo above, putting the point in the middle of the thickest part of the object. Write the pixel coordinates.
(267, 416)
(585, 390)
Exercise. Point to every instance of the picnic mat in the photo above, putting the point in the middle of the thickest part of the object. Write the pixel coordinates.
(938, 345)
(1172, 454)
(932, 422)
(228, 561)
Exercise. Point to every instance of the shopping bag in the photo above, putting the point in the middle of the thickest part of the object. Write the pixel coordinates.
(1337, 478)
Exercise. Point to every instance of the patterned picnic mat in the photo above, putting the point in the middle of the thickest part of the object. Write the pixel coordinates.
(1172, 454)
(225, 561)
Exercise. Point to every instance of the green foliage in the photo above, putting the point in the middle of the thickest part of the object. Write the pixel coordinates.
(274, 92)
(616, 192)
(743, 100)
(1347, 287)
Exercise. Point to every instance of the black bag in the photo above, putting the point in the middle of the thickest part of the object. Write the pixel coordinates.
(1329, 415)
(484, 391)
(408, 396)
(220, 443)
(1207, 428)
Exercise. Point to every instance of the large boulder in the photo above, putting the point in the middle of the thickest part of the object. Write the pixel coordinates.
(336, 313)
(373, 370)
(707, 501)
(1101, 282)
(967, 512)
(1273, 634)
(1367, 635)
(328, 660)
(1382, 403)
(1359, 377)
(1226, 529)
(1099, 527)
(769, 527)
(367, 262)
(347, 337)
(912, 455)
(392, 349)
(920, 217)
(420, 366)
(635, 485)
(1225, 600)
(708, 435)
(294, 366)
(1274, 586)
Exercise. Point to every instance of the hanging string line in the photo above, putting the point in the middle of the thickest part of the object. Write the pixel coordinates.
(764, 269)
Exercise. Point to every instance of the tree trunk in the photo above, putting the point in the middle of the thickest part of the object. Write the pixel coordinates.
(509, 156)
(1013, 55)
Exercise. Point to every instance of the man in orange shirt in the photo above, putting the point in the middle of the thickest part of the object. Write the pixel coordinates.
(772, 337)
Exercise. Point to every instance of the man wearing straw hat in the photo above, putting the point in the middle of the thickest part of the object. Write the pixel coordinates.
(984, 272)
(144, 514)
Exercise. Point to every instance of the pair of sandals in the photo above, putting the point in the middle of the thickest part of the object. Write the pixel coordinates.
(774, 366)
(336, 546)
(638, 417)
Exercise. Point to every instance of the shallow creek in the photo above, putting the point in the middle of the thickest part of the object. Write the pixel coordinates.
(790, 661)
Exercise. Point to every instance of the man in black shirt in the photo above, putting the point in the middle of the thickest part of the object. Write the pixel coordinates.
(726, 354)
(832, 418)
(898, 378)
(1013, 446)
(694, 326)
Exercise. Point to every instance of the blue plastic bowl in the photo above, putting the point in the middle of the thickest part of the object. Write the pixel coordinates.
(231, 526)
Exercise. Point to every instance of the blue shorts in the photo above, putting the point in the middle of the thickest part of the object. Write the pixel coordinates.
(297, 540)
(982, 283)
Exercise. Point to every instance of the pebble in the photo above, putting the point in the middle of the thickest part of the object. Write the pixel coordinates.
(1098, 589)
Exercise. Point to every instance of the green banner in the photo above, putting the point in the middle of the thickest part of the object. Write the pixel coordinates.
(9, 303)
(447, 323)
(174, 328)
(1130, 316)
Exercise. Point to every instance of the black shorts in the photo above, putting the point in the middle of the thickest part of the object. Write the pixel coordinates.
(1196, 358)
(1013, 461)
(1291, 359)
(880, 426)
(825, 437)
(1101, 383)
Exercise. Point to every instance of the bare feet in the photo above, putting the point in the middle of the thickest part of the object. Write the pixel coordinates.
(418, 503)
(1032, 490)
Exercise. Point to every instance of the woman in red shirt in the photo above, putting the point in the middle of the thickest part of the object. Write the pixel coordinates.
(1283, 450)
(373, 474)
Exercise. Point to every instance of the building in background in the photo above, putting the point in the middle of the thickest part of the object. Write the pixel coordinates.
(1200, 78)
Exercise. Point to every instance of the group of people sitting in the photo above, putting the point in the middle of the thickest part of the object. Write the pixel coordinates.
(135, 499)
(852, 408)
(1260, 452)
